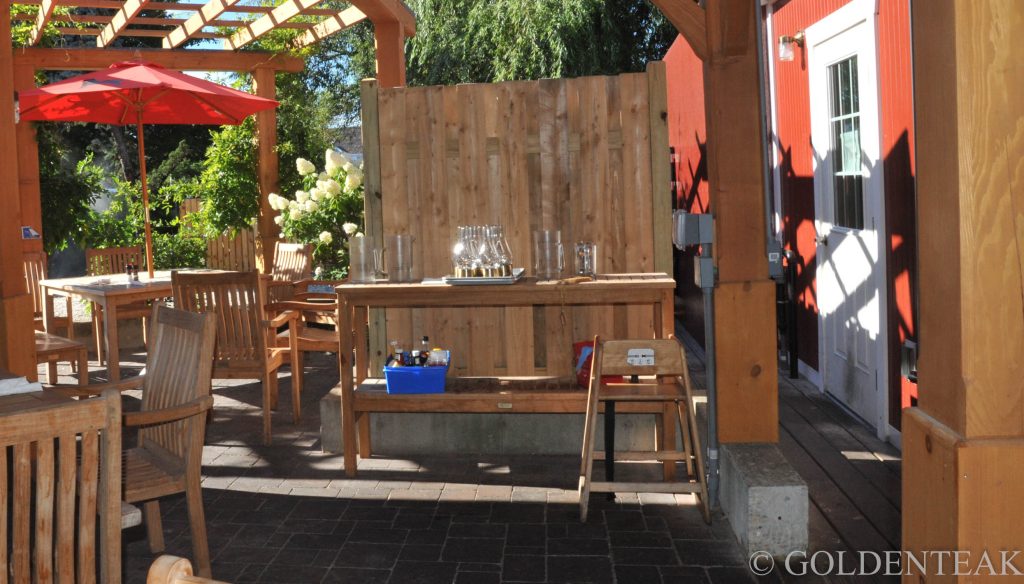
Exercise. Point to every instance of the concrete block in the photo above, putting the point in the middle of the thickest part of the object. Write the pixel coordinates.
(764, 498)
(435, 434)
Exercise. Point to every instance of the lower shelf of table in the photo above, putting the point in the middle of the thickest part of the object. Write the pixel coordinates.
(504, 395)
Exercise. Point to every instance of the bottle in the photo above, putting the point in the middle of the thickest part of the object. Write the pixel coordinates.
(135, 273)
(415, 359)
(425, 350)
(128, 272)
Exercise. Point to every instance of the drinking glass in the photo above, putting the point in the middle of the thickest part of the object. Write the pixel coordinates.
(586, 258)
(548, 258)
(399, 258)
(361, 264)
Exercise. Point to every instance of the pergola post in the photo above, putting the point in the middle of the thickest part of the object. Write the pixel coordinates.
(17, 346)
(963, 446)
(28, 166)
(724, 35)
(267, 232)
(389, 39)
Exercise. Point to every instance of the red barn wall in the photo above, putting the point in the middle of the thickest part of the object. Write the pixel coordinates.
(685, 82)
(795, 166)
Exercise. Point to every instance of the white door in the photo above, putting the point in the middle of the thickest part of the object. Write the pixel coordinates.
(849, 210)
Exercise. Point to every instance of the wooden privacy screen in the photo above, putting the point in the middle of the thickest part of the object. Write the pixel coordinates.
(236, 253)
(588, 156)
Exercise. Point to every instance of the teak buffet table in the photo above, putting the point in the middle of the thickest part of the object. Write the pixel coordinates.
(361, 394)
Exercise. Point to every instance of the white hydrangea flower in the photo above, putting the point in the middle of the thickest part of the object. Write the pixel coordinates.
(279, 219)
(352, 182)
(326, 237)
(350, 229)
(293, 205)
(358, 235)
(295, 214)
(304, 166)
(335, 160)
(316, 194)
(301, 196)
(332, 187)
(272, 200)
(311, 206)
(322, 176)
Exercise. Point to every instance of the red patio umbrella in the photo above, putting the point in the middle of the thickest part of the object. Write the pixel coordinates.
(140, 93)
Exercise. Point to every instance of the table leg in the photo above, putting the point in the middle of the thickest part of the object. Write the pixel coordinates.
(48, 315)
(360, 323)
(668, 439)
(609, 443)
(348, 415)
(113, 343)
(665, 313)
(83, 366)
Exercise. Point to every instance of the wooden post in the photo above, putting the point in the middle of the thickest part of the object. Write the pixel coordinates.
(373, 211)
(661, 182)
(747, 371)
(266, 133)
(17, 347)
(389, 40)
(963, 446)
(28, 165)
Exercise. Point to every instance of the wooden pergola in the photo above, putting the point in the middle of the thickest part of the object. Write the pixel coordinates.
(964, 447)
(235, 24)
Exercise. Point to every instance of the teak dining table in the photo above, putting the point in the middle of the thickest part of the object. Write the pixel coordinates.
(110, 292)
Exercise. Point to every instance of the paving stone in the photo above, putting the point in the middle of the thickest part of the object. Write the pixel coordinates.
(645, 556)
(290, 574)
(645, 539)
(342, 575)
(526, 534)
(378, 535)
(577, 547)
(476, 567)
(524, 569)
(368, 555)
(421, 552)
(589, 569)
(491, 530)
(473, 550)
(477, 578)
(709, 553)
(680, 574)
(422, 573)
(639, 575)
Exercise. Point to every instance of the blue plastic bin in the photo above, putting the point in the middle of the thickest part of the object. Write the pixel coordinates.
(406, 380)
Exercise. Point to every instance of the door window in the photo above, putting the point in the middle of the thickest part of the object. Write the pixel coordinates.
(844, 147)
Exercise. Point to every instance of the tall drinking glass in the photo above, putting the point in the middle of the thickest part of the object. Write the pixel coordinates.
(586, 259)
(361, 265)
(399, 258)
(548, 260)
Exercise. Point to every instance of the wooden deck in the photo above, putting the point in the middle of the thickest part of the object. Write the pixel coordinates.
(853, 477)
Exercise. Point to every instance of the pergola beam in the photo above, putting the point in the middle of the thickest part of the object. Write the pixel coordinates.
(329, 26)
(191, 60)
(45, 10)
(380, 11)
(149, 21)
(129, 10)
(195, 23)
(689, 20)
(261, 26)
(184, 6)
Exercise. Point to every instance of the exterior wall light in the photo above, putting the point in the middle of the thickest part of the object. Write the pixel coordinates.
(786, 43)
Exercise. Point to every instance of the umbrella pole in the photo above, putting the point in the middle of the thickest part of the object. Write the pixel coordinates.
(145, 197)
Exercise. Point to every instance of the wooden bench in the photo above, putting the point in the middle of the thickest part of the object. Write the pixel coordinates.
(538, 392)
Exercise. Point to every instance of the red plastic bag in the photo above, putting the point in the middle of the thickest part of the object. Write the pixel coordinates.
(583, 356)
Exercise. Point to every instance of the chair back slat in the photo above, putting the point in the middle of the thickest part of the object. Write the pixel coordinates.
(615, 357)
(178, 368)
(236, 300)
(112, 260)
(292, 262)
(35, 270)
(60, 474)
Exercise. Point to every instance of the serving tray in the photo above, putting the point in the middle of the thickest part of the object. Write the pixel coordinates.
(517, 274)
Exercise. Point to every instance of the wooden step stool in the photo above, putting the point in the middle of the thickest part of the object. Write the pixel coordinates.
(663, 362)
(50, 349)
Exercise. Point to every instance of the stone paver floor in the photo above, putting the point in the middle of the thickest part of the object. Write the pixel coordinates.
(286, 513)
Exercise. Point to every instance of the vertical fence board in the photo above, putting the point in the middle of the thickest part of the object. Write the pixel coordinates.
(567, 154)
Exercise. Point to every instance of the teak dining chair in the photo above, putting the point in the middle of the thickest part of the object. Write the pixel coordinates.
(663, 363)
(60, 470)
(36, 270)
(292, 262)
(167, 457)
(245, 337)
(309, 307)
(111, 262)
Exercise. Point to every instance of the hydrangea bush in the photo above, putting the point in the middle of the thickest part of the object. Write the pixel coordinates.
(326, 213)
